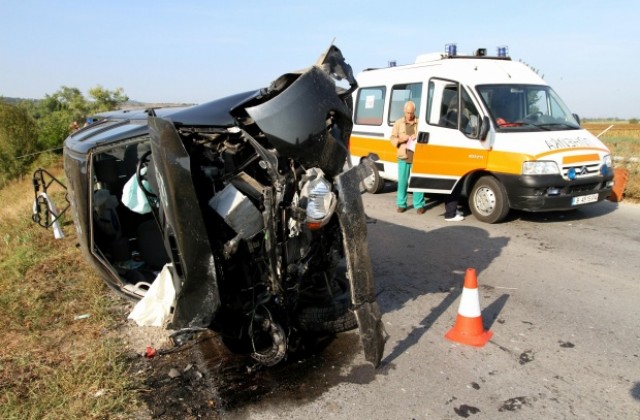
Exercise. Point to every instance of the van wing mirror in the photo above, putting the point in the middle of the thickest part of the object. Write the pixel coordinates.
(577, 118)
(484, 128)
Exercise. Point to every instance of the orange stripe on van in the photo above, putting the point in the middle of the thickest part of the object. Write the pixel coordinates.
(362, 146)
(507, 162)
(571, 150)
(580, 158)
(447, 161)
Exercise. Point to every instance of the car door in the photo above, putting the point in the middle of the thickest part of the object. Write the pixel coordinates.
(185, 234)
(448, 145)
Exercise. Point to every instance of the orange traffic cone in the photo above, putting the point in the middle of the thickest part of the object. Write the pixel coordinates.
(468, 328)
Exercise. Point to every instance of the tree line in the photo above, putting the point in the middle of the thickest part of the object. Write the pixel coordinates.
(29, 128)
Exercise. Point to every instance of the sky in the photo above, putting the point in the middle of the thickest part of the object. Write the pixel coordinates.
(194, 51)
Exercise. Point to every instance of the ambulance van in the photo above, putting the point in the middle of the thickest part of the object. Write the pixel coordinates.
(489, 127)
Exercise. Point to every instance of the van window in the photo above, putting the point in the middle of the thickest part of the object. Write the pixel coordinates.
(400, 94)
(449, 109)
(470, 117)
(440, 95)
(370, 106)
(449, 105)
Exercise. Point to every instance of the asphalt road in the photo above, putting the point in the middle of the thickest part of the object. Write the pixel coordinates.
(559, 291)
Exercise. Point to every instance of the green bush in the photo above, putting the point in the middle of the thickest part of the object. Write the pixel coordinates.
(18, 142)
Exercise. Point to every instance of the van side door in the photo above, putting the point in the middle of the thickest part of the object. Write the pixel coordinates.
(449, 145)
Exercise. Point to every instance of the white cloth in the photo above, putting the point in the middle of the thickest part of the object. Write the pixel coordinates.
(133, 197)
(154, 309)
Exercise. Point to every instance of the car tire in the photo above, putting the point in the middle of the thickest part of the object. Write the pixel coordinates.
(333, 318)
(488, 200)
(373, 183)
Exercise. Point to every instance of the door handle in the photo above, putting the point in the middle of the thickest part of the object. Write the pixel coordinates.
(423, 137)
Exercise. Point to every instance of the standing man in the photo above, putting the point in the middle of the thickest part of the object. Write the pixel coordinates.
(404, 130)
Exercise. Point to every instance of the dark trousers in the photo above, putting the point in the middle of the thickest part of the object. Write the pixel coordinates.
(451, 202)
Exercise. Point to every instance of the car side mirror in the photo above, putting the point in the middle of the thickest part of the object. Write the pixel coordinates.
(577, 118)
(484, 128)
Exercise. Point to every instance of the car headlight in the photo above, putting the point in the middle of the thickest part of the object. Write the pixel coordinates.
(540, 167)
(321, 201)
(606, 165)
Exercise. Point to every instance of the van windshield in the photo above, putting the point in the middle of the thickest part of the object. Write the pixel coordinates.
(526, 108)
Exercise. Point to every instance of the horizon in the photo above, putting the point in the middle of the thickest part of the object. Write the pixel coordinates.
(143, 105)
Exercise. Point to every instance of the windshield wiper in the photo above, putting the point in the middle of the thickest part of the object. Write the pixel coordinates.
(524, 123)
(570, 126)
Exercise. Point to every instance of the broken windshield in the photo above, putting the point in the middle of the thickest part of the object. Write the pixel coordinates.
(527, 108)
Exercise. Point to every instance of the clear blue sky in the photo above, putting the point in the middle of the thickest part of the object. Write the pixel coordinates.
(196, 51)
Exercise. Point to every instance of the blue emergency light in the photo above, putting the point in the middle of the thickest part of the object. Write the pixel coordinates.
(451, 49)
(503, 51)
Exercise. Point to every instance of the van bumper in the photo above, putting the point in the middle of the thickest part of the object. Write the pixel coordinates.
(538, 193)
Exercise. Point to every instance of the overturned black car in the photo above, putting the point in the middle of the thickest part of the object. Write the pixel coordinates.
(246, 200)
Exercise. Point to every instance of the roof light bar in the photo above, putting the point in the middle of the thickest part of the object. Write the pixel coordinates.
(451, 49)
(503, 51)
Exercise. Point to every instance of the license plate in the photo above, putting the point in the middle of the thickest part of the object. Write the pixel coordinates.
(584, 199)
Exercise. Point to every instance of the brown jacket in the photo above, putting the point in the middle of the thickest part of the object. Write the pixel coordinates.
(400, 127)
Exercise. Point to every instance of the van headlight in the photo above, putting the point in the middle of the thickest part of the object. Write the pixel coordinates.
(321, 201)
(606, 165)
(540, 167)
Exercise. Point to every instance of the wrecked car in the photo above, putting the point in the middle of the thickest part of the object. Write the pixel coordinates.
(246, 200)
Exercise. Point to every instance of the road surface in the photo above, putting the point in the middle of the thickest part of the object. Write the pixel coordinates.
(559, 291)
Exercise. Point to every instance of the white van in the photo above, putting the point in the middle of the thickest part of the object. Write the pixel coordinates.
(489, 126)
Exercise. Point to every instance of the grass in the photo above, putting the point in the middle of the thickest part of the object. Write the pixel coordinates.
(53, 365)
(623, 139)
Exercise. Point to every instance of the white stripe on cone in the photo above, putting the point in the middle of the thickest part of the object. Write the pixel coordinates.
(469, 303)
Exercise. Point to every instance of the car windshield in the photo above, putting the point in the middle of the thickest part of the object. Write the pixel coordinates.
(526, 108)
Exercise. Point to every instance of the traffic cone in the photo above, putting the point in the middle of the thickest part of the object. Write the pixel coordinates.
(468, 328)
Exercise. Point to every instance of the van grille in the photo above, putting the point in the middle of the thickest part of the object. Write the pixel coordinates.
(582, 171)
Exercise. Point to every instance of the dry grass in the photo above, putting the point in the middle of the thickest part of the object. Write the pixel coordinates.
(623, 139)
(53, 365)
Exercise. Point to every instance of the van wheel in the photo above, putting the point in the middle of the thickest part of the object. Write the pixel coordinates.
(373, 182)
(488, 200)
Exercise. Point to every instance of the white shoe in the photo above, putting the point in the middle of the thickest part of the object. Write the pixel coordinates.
(456, 218)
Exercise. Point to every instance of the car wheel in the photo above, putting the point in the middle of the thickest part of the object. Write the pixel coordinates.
(373, 182)
(488, 200)
(334, 318)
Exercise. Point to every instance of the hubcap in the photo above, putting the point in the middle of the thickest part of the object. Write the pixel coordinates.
(485, 201)
(369, 180)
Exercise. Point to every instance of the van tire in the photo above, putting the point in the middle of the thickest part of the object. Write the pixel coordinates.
(373, 183)
(488, 200)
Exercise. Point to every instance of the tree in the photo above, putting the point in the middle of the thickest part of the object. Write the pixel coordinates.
(56, 112)
(68, 99)
(53, 128)
(33, 126)
(18, 141)
(106, 100)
